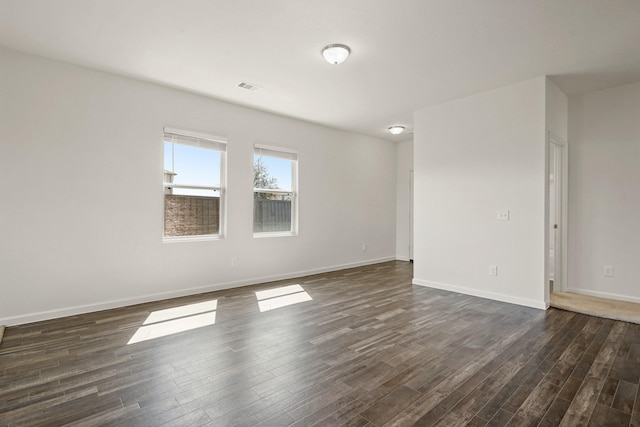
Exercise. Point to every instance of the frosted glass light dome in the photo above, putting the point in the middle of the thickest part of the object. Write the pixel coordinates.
(336, 53)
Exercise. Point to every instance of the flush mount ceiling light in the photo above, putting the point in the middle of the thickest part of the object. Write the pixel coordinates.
(396, 130)
(336, 53)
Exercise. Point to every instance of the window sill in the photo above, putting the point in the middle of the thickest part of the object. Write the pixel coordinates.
(274, 234)
(183, 239)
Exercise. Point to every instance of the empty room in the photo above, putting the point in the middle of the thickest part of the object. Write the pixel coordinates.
(319, 213)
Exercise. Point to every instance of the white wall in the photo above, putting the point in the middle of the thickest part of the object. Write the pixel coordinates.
(404, 164)
(556, 113)
(82, 200)
(473, 157)
(604, 192)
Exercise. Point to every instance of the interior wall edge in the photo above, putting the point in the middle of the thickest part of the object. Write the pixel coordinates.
(607, 295)
(108, 305)
(541, 305)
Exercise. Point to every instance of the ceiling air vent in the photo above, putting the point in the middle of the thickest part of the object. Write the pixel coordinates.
(248, 86)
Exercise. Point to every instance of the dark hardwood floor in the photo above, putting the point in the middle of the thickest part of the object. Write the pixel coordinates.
(369, 349)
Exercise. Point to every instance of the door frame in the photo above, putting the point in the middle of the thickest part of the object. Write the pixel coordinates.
(561, 187)
(411, 215)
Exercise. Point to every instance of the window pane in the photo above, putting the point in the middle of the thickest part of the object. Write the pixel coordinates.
(270, 172)
(191, 211)
(271, 212)
(192, 165)
(191, 215)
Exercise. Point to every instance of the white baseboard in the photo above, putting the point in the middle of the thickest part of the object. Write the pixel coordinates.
(542, 305)
(402, 258)
(107, 305)
(604, 295)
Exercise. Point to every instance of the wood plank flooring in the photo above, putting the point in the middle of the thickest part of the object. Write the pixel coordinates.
(368, 349)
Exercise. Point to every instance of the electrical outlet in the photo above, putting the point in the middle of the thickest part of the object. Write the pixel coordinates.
(607, 270)
(493, 270)
(234, 262)
(502, 215)
(364, 247)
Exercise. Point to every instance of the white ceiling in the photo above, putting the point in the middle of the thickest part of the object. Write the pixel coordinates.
(406, 54)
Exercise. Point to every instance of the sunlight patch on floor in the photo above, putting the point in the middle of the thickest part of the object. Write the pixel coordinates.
(182, 311)
(177, 319)
(281, 297)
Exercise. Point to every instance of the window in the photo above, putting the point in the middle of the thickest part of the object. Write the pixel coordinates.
(194, 166)
(275, 173)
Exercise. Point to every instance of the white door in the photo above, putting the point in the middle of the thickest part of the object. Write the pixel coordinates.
(556, 214)
(553, 225)
(411, 216)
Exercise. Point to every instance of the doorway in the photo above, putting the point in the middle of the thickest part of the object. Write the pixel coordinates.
(557, 214)
(411, 216)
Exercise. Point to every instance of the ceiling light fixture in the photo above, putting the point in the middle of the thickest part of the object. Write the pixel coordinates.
(396, 130)
(336, 53)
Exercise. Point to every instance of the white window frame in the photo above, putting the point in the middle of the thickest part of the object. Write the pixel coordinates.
(197, 139)
(280, 153)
